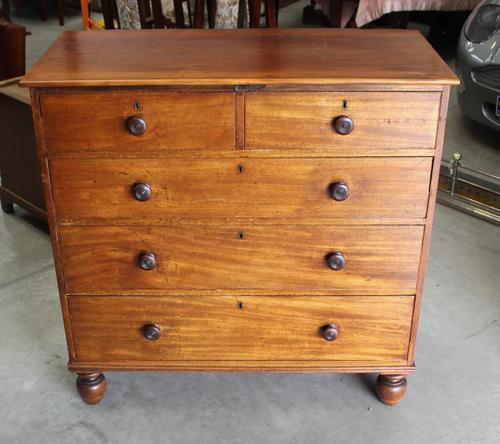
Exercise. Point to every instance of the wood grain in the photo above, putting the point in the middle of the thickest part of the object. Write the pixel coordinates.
(225, 328)
(51, 215)
(298, 120)
(239, 151)
(312, 366)
(240, 188)
(249, 257)
(424, 257)
(90, 121)
(242, 56)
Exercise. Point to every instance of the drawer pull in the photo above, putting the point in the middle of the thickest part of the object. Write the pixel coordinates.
(152, 332)
(136, 125)
(141, 191)
(343, 125)
(339, 191)
(336, 261)
(329, 332)
(147, 261)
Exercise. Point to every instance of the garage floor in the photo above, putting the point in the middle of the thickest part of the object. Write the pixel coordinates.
(452, 398)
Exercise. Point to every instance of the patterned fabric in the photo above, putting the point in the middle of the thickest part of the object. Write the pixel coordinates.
(226, 16)
(128, 13)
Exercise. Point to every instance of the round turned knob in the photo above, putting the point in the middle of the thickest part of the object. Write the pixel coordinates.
(329, 332)
(343, 125)
(141, 191)
(336, 261)
(339, 191)
(147, 261)
(152, 332)
(136, 125)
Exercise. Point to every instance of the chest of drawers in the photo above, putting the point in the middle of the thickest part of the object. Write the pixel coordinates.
(246, 200)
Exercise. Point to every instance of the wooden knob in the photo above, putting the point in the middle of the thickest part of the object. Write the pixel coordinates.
(136, 125)
(343, 125)
(141, 191)
(147, 261)
(339, 191)
(329, 332)
(336, 261)
(152, 332)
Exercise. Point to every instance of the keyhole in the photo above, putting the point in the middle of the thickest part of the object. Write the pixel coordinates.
(137, 105)
(344, 104)
(241, 235)
(240, 305)
(240, 168)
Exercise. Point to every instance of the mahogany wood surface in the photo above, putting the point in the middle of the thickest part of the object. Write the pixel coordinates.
(240, 56)
(174, 121)
(202, 233)
(91, 386)
(225, 328)
(304, 120)
(51, 215)
(240, 188)
(105, 258)
(433, 186)
(390, 389)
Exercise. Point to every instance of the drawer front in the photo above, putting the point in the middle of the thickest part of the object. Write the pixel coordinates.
(257, 188)
(113, 329)
(106, 258)
(300, 120)
(174, 120)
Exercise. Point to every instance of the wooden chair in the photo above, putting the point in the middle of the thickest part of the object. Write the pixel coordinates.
(150, 14)
(270, 12)
(254, 11)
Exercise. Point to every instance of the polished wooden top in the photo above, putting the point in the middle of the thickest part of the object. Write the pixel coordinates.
(239, 56)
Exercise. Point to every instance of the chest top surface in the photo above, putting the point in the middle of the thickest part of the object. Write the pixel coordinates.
(243, 56)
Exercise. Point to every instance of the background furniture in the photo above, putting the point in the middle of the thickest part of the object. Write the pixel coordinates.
(143, 14)
(12, 50)
(19, 168)
(370, 10)
(5, 10)
(254, 201)
(43, 9)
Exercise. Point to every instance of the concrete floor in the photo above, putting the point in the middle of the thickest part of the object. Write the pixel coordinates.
(453, 397)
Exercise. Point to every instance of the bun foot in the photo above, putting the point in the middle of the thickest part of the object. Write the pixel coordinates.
(7, 207)
(91, 386)
(391, 388)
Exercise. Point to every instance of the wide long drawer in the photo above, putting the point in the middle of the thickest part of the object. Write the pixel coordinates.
(382, 259)
(114, 121)
(258, 188)
(176, 328)
(307, 120)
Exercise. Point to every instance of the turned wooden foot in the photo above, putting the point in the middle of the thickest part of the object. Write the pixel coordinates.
(391, 388)
(7, 207)
(91, 386)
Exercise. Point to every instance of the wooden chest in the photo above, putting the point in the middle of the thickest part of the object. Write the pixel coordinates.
(240, 200)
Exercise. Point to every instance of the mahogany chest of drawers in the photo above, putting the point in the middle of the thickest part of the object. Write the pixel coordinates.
(240, 200)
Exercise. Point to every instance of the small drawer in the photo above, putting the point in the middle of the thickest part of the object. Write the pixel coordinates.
(228, 328)
(146, 190)
(382, 259)
(350, 122)
(126, 122)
